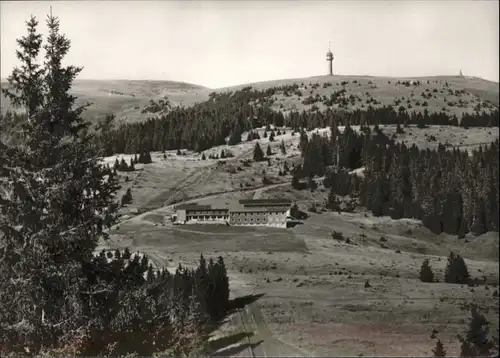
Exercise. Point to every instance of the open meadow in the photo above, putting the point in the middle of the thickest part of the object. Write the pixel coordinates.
(314, 289)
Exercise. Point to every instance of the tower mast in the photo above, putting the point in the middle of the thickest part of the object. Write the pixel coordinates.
(329, 58)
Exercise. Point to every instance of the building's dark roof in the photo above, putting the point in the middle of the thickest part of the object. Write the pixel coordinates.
(265, 202)
(207, 210)
(197, 207)
(257, 209)
(193, 207)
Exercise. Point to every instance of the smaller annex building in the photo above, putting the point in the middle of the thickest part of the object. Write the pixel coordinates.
(248, 212)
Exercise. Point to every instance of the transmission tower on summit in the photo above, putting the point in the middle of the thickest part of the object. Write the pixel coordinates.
(329, 58)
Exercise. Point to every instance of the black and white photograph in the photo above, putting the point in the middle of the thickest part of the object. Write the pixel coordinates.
(224, 178)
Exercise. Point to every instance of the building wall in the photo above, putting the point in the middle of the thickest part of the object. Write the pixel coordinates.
(181, 215)
(263, 218)
(277, 219)
(248, 218)
(207, 219)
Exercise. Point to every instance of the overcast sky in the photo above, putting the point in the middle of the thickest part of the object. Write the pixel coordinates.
(222, 43)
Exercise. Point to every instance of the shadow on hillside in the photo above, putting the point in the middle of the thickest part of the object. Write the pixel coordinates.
(299, 214)
(220, 345)
(224, 342)
(292, 224)
(235, 305)
(239, 303)
(232, 351)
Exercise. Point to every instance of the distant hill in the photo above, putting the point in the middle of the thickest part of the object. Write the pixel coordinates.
(451, 94)
(126, 98)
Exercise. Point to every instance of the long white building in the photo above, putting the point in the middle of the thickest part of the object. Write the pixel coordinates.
(261, 212)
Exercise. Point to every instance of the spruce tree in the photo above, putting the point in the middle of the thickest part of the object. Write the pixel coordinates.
(269, 152)
(283, 148)
(456, 270)
(60, 201)
(235, 136)
(151, 275)
(477, 341)
(223, 282)
(123, 165)
(426, 274)
(439, 350)
(258, 154)
(202, 284)
(144, 263)
(127, 197)
(148, 159)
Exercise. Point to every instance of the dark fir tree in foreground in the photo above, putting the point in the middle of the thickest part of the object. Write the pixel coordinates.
(56, 202)
(59, 204)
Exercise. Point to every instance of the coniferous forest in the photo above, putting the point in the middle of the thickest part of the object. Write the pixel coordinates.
(209, 123)
(449, 190)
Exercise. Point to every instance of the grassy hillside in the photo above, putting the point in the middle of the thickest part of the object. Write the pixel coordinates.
(451, 94)
(125, 98)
